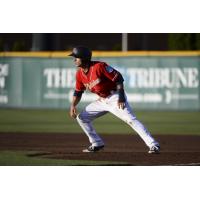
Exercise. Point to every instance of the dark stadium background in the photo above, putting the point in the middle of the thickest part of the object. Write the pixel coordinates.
(98, 41)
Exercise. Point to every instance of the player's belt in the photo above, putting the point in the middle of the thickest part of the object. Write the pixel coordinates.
(111, 92)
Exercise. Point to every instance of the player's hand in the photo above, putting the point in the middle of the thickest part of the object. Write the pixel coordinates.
(121, 105)
(73, 112)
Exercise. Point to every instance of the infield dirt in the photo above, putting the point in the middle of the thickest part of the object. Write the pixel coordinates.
(129, 149)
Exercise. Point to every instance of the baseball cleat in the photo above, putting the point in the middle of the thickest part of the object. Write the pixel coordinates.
(154, 149)
(92, 149)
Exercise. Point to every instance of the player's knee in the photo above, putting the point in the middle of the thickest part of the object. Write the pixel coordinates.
(82, 118)
(78, 117)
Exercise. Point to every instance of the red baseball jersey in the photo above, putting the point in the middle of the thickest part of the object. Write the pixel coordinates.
(100, 79)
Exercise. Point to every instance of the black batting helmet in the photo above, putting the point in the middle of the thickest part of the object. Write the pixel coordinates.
(81, 52)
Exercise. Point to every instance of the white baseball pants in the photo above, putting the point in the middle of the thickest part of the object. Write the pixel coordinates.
(101, 107)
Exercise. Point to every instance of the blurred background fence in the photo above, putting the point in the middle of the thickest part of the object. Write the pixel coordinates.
(154, 80)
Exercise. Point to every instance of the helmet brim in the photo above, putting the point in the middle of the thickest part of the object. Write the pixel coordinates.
(71, 54)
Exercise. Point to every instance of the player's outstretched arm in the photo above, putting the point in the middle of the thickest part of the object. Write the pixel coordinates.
(76, 99)
(121, 100)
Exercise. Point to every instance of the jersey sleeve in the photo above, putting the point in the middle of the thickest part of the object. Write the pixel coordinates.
(108, 71)
(79, 85)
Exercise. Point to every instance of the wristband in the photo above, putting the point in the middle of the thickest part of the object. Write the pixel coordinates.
(121, 95)
(78, 93)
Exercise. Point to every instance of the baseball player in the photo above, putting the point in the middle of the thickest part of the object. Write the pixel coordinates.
(103, 80)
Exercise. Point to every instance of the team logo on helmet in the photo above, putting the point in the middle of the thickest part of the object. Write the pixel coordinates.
(81, 52)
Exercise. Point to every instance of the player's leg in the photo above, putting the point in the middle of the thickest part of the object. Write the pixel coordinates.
(129, 117)
(85, 118)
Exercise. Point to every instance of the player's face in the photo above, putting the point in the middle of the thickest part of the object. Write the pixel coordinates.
(77, 62)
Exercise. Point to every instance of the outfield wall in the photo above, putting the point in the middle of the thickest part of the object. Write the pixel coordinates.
(153, 80)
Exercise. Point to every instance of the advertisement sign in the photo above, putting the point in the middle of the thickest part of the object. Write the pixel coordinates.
(151, 82)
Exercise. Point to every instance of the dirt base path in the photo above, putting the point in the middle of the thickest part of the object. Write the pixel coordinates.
(130, 149)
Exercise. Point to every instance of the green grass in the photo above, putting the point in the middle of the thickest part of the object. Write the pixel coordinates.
(12, 158)
(47, 121)
(58, 121)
